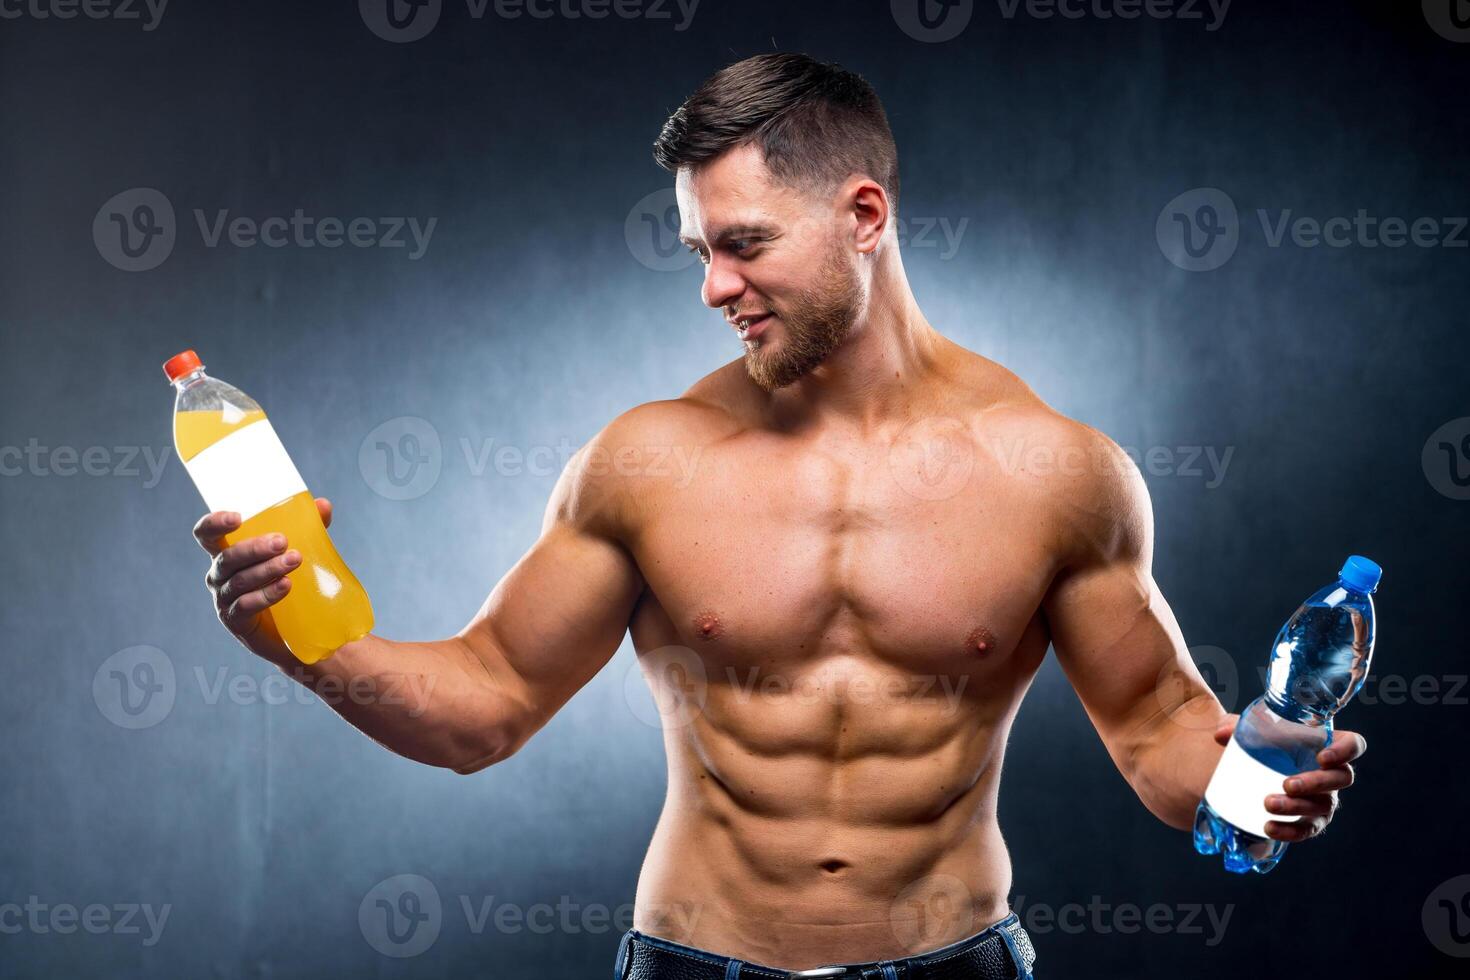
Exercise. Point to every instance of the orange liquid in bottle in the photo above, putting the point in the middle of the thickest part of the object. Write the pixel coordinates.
(326, 606)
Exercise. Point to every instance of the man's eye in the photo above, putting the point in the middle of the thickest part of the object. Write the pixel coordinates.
(697, 252)
(740, 244)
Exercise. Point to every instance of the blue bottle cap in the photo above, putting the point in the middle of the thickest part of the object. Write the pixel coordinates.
(1360, 573)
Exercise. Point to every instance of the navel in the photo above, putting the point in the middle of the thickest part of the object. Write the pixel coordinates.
(707, 626)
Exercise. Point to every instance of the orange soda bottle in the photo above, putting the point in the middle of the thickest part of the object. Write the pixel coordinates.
(238, 463)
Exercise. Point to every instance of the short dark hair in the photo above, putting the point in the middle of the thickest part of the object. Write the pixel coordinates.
(815, 123)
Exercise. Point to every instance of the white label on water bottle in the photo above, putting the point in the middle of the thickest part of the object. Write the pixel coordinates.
(1239, 788)
(246, 471)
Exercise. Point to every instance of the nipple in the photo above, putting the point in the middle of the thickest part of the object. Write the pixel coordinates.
(980, 641)
(707, 626)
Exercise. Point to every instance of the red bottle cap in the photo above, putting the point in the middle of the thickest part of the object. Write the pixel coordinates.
(181, 364)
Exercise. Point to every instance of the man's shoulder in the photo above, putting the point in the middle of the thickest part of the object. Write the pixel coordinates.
(649, 439)
(708, 411)
(1040, 442)
(1088, 483)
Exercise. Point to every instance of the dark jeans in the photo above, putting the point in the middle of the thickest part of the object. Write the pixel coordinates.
(1002, 951)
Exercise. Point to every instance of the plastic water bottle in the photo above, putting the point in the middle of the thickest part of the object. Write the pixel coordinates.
(238, 463)
(1319, 662)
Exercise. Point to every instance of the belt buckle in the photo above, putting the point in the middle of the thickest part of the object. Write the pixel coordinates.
(820, 971)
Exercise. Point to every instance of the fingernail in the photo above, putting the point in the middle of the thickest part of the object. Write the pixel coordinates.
(1292, 785)
(278, 541)
(293, 557)
(232, 519)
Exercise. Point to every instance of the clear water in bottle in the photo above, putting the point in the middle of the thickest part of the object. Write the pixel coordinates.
(1320, 660)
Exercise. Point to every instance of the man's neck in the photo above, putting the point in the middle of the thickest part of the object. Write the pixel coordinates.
(873, 376)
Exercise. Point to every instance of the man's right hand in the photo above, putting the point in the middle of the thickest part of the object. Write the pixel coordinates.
(250, 576)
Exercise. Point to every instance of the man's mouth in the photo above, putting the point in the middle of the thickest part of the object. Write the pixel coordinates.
(751, 327)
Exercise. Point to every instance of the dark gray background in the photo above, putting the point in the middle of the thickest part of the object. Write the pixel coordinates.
(530, 321)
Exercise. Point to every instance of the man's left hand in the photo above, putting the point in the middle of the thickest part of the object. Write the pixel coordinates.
(1310, 795)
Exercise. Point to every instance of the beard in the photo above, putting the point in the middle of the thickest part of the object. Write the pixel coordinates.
(819, 320)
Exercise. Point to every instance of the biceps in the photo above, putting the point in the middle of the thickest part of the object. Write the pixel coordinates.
(1120, 646)
(556, 618)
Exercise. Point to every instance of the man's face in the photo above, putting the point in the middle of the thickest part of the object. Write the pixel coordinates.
(775, 263)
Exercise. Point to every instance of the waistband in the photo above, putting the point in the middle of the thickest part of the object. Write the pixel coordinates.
(1002, 951)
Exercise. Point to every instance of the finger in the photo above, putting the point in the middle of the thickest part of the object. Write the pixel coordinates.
(1346, 747)
(1320, 781)
(1360, 631)
(256, 576)
(250, 605)
(324, 508)
(1302, 806)
(212, 527)
(242, 555)
(1304, 829)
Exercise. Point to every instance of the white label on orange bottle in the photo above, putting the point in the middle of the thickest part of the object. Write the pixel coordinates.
(1239, 788)
(246, 471)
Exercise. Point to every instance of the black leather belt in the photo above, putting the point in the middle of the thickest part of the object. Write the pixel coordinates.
(1001, 952)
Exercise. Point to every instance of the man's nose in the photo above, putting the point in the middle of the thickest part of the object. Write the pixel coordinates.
(722, 284)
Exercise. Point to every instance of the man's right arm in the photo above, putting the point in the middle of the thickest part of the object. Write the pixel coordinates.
(469, 701)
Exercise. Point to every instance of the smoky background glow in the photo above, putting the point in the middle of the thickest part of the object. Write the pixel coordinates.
(1037, 154)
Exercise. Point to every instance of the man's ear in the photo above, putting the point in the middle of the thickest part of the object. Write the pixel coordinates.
(870, 212)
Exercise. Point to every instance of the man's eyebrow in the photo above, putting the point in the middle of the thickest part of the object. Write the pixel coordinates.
(732, 231)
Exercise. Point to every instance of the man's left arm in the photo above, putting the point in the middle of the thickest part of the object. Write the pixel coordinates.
(1121, 647)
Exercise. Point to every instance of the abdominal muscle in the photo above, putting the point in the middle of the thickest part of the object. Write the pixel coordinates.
(817, 820)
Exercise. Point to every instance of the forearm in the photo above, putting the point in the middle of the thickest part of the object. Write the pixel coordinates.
(439, 703)
(1174, 762)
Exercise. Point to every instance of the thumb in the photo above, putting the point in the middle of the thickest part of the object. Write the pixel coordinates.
(324, 508)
